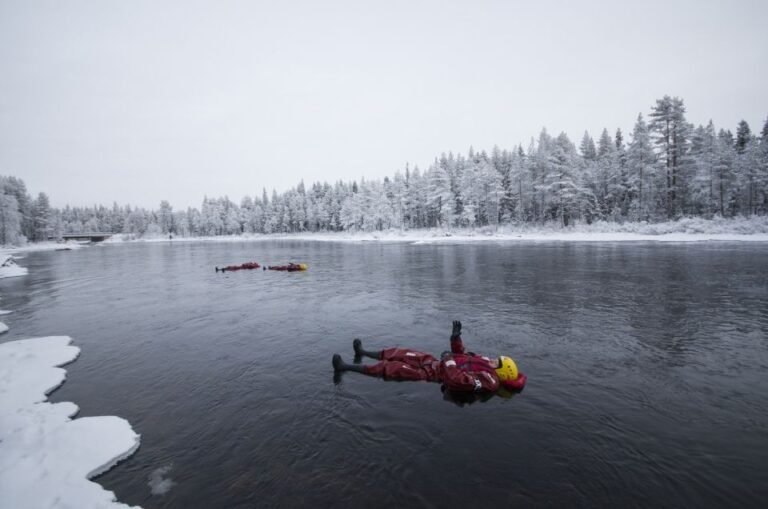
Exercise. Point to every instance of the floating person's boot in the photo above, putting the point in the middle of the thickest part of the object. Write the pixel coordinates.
(340, 365)
(357, 345)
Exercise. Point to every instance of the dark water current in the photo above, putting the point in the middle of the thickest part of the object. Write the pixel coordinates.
(647, 366)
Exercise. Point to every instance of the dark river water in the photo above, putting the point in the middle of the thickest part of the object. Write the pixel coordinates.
(647, 371)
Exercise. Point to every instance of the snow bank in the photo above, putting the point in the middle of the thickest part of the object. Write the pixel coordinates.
(45, 246)
(46, 457)
(753, 229)
(8, 267)
(685, 230)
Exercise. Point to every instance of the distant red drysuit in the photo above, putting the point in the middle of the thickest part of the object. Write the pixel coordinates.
(458, 371)
(244, 266)
(291, 267)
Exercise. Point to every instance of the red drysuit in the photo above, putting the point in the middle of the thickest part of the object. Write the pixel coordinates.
(458, 371)
(291, 267)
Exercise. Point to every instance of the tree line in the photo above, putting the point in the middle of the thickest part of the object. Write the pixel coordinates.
(667, 169)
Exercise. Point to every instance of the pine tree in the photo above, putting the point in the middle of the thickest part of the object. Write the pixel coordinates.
(417, 199)
(440, 198)
(605, 182)
(493, 192)
(764, 132)
(10, 220)
(587, 147)
(41, 218)
(763, 179)
(561, 183)
(748, 171)
(539, 167)
(165, 217)
(724, 171)
(502, 161)
(704, 155)
(470, 196)
(668, 122)
(519, 185)
(640, 163)
(743, 136)
(15, 187)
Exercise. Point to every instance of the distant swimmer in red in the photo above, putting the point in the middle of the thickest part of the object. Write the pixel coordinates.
(291, 267)
(244, 266)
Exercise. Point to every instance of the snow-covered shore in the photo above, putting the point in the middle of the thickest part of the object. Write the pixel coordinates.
(42, 246)
(685, 230)
(753, 229)
(9, 268)
(46, 457)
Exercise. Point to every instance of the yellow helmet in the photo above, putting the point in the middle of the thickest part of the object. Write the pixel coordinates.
(507, 369)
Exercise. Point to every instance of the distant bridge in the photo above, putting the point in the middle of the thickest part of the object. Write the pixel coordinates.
(89, 236)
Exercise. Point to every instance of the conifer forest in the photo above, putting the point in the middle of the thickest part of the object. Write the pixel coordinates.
(664, 169)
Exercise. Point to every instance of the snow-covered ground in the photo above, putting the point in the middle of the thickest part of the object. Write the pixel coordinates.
(9, 268)
(754, 229)
(9, 255)
(46, 457)
(685, 230)
(43, 246)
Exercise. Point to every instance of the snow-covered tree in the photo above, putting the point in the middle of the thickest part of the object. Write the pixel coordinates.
(587, 147)
(10, 220)
(743, 137)
(562, 182)
(41, 218)
(165, 217)
(671, 130)
(440, 200)
(641, 161)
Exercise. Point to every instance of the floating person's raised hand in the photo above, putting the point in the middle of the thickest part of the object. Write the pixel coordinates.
(456, 329)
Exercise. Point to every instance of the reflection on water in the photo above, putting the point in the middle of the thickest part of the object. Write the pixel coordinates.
(646, 368)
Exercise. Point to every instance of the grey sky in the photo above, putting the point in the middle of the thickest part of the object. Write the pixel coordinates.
(136, 101)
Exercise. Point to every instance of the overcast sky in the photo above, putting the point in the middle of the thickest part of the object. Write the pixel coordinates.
(138, 101)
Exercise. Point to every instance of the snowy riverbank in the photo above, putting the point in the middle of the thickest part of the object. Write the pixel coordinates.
(9, 268)
(685, 230)
(46, 456)
(753, 229)
(42, 246)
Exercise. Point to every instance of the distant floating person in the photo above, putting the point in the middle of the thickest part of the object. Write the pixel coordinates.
(244, 266)
(291, 267)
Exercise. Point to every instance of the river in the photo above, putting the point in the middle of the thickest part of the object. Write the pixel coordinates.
(647, 371)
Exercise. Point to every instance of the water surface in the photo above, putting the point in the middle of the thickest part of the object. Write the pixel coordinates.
(647, 368)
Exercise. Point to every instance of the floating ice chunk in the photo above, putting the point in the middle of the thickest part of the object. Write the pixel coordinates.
(5, 312)
(158, 483)
(46, 457)
(3, 328)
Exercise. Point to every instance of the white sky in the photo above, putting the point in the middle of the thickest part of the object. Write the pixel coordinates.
(137, 101)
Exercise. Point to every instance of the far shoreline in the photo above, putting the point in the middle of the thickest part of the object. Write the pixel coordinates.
(753, 229)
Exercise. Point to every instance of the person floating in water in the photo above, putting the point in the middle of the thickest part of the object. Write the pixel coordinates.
(291, 267)
(244, 266)
(458, 370)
